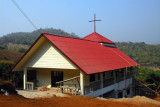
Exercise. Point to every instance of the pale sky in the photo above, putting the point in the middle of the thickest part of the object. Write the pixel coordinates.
(122, 20)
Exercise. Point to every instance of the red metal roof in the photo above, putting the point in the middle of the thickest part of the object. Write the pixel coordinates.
(89, 56)
(98, 38)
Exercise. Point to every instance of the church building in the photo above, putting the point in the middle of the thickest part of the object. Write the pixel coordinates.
(91, 66)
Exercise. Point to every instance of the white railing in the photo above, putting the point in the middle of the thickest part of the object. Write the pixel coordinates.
(30, 85)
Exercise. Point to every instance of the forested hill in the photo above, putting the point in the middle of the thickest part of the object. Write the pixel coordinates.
(144, 54)
(27, 38)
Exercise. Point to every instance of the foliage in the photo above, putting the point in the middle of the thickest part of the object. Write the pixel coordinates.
(150, 77)
(7, 74)
(10, 55)
(17, 78)
(22, 50)
(17, 47)
(28, 38)
(145, 54)
(5, 69)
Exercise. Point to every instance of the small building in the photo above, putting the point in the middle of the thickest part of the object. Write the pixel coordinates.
(90, 66)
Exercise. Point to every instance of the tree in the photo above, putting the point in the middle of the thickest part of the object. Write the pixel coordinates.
(5, 69)
(149, 77)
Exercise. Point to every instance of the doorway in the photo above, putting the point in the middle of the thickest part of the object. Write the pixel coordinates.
(56, 76)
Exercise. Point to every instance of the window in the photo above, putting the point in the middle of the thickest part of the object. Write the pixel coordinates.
(109, 45)
(92, 77)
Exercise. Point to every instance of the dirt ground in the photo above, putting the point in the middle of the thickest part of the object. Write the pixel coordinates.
(72, 101)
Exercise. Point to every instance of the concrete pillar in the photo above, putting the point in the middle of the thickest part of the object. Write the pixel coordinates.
(124, 93)
(82, 82)
(124, 73)
(116, 94)
(24, 78)
(114, 75)
(101, 78)
(131, 92)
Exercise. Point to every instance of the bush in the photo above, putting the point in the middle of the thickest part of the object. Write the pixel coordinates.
(5, 69)
(7, 74)
(7, 86)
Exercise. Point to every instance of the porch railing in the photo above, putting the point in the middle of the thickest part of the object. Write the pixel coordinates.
(92, 87)
(119, 78)
(30, 85)
(69, 87)
(108, 82)
(129, 75)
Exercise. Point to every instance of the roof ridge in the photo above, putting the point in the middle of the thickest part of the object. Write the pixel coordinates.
(99, 36)
(68, 37)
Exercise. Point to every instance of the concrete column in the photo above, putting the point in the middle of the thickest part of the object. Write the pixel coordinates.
(114, 75)
(116, 94)
(124, 93)
(131, 92)
(24, 78)
(101, 78)
(82, 82)
(124, 73)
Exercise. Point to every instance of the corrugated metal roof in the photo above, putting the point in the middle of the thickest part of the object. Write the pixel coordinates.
(98, 38)
(89, 56)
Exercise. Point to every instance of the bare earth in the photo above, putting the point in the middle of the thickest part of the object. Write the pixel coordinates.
(41, 94)
(53, 99)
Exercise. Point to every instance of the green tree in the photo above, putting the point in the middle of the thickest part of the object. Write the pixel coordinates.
(22, 50)
(5, 69)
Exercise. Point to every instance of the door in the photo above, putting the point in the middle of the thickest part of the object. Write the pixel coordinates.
(56, 76)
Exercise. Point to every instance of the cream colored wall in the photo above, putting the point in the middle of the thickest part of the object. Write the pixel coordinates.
(21, 65)
(44, 76)
(70, 74)
(86, 79)
(47, 56)
(44, 55)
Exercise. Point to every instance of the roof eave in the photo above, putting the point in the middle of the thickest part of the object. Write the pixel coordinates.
(26, 52)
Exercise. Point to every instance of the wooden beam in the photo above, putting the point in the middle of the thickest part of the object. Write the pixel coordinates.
(68, 80)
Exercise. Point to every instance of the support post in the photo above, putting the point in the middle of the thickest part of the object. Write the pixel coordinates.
(82, 82)
(124, 73)
(114, 75)
(131, 92)
(101, 78)
(24, 78)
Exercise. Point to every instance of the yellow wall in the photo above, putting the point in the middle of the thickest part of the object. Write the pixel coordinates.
(47, 56)
(70, 74)
(44, 55)
(44, 76)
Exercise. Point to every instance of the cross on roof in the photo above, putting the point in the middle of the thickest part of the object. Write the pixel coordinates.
(94, 22)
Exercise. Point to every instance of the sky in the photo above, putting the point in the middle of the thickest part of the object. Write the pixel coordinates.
(122, 20)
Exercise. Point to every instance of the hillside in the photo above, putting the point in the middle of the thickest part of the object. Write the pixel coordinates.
(10, 55)
(145, 54)
(27, 38)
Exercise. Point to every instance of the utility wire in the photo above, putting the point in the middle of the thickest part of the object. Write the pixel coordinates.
(15, 3)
